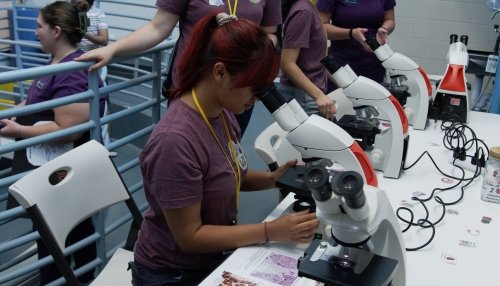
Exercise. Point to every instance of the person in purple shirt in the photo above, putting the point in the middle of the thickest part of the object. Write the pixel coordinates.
(266, 13)
(348, 23)
(59, 33)
(304, 45)
(193, 165)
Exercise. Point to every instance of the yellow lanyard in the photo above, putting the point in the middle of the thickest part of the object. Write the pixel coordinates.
(237, 172)
(232, 10)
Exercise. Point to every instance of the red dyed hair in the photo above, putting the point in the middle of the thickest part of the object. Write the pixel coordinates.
(241, 45)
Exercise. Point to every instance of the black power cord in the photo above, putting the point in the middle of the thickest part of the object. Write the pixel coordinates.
(459, 138)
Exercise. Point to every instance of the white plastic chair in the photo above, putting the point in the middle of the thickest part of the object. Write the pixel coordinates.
(91, 184)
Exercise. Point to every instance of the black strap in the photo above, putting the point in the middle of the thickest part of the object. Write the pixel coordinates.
(167, 82)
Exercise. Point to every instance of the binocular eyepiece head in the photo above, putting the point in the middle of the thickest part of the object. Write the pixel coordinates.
(322, 182)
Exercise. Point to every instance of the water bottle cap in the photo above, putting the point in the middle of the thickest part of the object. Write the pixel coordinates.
(495, 152)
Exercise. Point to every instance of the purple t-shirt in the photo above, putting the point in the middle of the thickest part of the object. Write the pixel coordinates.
(61, 85)
(303, 29)
(263, 12)
(52, 87)
(357, 14)
(182, 165)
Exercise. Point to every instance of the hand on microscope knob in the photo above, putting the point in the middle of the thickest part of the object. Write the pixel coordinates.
(278, 173)
(294, 227)
(326, 106)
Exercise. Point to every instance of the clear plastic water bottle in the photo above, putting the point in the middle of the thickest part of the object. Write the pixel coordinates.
(491, 177)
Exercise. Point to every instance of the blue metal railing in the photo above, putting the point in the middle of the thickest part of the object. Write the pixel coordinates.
(133, 87)
(150, 104)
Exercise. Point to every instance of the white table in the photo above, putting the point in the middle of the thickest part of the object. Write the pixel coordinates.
(477, 265)
(474, 265)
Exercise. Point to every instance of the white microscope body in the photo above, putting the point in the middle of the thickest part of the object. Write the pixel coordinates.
(390, 147)
(312, 136)
(452, 95)
(405, 71)
(359, 215)
(370, 221)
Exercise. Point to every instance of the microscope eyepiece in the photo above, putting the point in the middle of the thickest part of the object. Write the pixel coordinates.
(317, 179)
(372, 42)
(453, 38)
(271, 98)
(263, 92)
(322, 182)
(349, 184)
(330, 64)
(464, 39)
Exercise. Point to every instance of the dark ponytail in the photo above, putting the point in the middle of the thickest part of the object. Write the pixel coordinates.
(71, 18)
(83, 5)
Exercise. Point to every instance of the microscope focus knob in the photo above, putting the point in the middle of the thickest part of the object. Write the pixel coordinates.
(409, 113)
(376, 156)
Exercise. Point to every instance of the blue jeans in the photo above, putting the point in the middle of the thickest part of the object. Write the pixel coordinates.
(144, 276)
(306, 101)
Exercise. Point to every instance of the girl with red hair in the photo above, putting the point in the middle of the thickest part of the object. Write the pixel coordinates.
(193, 165)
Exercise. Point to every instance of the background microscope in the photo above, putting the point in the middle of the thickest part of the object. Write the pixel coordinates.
(295, 135)
(367, 246)
(452, 95)
(312, 136)
(371, 100)
(408, 83)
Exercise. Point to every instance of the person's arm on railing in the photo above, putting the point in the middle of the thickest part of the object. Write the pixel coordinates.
(157, 30)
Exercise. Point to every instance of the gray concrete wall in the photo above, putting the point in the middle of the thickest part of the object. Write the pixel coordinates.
(423, 28)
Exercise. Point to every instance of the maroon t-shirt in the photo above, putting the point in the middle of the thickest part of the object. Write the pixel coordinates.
(182, 165)
(263, 12)
(303, 30)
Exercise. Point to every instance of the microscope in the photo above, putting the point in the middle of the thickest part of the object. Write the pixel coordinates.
(452, 96)
(388, 153)
(366, 245)
(309, 137)
(295, 135)
(409, 83)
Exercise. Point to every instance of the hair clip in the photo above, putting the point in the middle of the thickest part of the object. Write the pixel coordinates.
(84, 21)
(223, 18)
